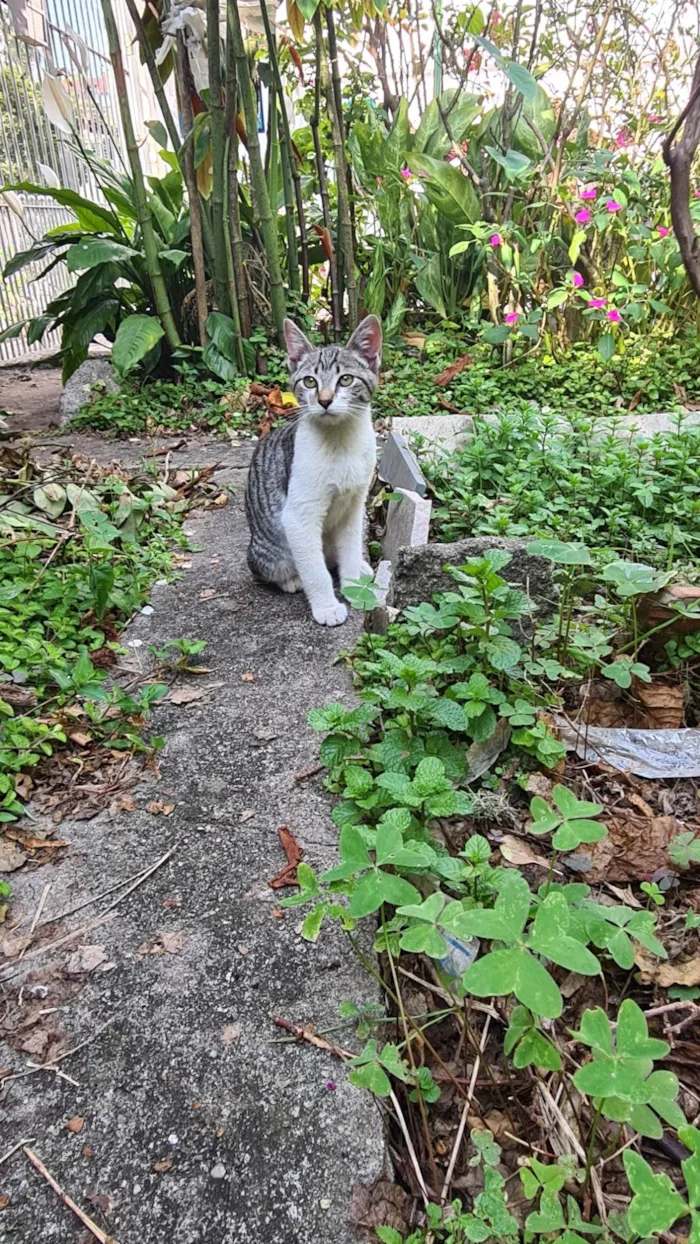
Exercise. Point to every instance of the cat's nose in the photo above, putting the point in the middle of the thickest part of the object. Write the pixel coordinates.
(325, 398)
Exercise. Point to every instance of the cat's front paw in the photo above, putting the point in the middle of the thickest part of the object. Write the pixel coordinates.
(331, 615)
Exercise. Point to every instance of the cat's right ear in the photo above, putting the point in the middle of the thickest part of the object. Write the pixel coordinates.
(298, 346)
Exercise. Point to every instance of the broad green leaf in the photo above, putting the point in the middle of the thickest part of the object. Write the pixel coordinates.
(563, 552)
(549, 1217)
(448, 713)
(570, 806)
(557, 297)
(311, 927)
(535, 1050)
(503, 653)
(633, 1035)
(92, 215)
(423, 939)
(522, 80)
(429, 776)
(136, 336)
(496, 334)
(371, 1077)
(92, 251)
(396, 143)
(429, 910)
(656, 1204)
(390, 1058)
(447, 187)
(606, 347)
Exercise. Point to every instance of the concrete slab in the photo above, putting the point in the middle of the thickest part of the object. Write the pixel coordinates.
(398, 466)
(445, 433)
(199, 1124)
(407, 523)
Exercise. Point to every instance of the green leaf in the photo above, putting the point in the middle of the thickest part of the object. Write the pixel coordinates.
(136, 336)
(422, 939)
(557, 297)
(496, 334)
(656, 1204)
(447, 188)
(563, 552)
(92, 251)
(549, 1217)
(515, 971)
(377, 887)
(606, 347)
(311, 927)
(448, 713)
(535, 1050)
(371, 1077)
(522, 80)
(390, 1058)
(158, 133)
(397, 141)
(503, 653)
(91, 215)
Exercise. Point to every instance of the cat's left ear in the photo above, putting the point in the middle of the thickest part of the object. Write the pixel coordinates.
(366, 342)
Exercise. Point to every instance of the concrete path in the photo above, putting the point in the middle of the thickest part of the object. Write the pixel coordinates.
(199, 1126)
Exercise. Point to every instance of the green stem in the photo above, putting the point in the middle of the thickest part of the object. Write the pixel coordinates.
(230, 273)
(290, 173)
(143, 212)
(346, 247)
(322, 183)
(200, 278)
(218, 153)
(234, 212)
(261, 199)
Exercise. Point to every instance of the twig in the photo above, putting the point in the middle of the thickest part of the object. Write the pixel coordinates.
(305, 1034)
(20, 1145)
(36, 1067)
(85, 928)
(465, 1111)
(301, 777)
(574, 1141)
(442, 993)
(98, 1233)
(37, 913)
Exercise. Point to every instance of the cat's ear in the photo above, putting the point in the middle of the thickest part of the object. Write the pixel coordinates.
(366, 342)
(297, 344)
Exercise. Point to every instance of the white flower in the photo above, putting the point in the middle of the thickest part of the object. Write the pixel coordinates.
(13, 202)
(57, 103)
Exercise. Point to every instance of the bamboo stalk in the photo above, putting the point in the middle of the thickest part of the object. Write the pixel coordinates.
(216, 121)
(150, 62)
(143, 212)
(345, 238)
(261, 199)
(230, 272)
(322, 183)
(234, 212)
(200, 279)
(287, 163)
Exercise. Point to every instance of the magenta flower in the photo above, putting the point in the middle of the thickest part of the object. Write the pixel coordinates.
(596, 303)
(653, 119)
(577, 280)
(583, 216)
(590, 193)
(614, 315)
(495, 239)
(623, 137)
(331, 1086)
(662, 231)
(613, 206)
(512, 317)
(406, 172)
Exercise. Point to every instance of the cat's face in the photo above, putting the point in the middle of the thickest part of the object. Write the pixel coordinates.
(334, 383)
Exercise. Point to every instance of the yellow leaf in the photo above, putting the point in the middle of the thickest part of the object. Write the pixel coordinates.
(295, 17)
(288, 399)
(204, 175)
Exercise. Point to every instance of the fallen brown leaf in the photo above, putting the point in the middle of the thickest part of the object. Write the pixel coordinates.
(664, 705)
(453, 370)
(4, 1201)
(415, 340)
(538, 784)
(12, 946)
(667, 974)
(172, 943)
(186, 695)
(247, 814)
(75, 1124)
(164, 1164)
(100, 1199)
(87, 1151)
(288, 874)
(636, 847)
(515, 851)
(207, 593)
(172, 902)
(248, 677)
(36, 1043)
(86, 959)
(81, 737)
(11, 857)
(278, 913)
(231, 1033)
(156, 807)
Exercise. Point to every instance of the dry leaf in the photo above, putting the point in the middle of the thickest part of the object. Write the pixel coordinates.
(172, 902)
(571, 984)
(415, 340)
(10, 856)
(99, 1199)
(4, 1201)
(231, 1033)
(666, 974)
(86, 959)
(515, 851)
(12, 946)
(172, 943)
(243, 950)
(664, 705)
(207, 593)
(75, 1124)
(80, 737)
(156, 807)
(87, 1151)
(164, 1164)
(247, 814)
(287, 875)
(36, 1043)
(454, 369)
(636, 847)
(278, 913)
(538, 784)
(186, 695)
(248, 677)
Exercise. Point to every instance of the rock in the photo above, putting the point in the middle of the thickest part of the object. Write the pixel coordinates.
(398, 466)
(377, 620)
(78, 391)
(418, 572)
(218, 1171)
(646, 425)
(444, 432)
(407, 523)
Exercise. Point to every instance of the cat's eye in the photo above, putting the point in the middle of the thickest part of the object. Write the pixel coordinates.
(346, 380)
(309, 382)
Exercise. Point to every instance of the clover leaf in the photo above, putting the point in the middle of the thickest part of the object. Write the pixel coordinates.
(571, 818)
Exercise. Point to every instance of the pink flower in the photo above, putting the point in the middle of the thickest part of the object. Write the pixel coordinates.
(577, 280)
(590, 193)
(595, 303)
(697, 194)
(512, 317)
(406, 172)
(623, 137)
(653, 119)
(495, 239)
(331, 1086)
(612, 206)
(662, 231)
(583, 216)
(614, 315)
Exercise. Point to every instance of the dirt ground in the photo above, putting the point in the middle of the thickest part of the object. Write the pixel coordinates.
(29, 397)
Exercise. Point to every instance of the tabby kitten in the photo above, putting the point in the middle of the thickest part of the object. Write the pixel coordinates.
(308, 480)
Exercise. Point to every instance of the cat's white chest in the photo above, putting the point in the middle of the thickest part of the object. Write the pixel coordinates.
(331, 466)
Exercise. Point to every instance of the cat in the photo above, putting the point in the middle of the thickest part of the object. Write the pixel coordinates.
(308, 481)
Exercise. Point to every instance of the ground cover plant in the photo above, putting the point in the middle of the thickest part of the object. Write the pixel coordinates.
(80, 549)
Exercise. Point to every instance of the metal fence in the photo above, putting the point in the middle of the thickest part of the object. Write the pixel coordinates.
(67, 39)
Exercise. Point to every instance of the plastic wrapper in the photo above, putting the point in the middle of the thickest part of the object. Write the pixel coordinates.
(461, 954)
(647, 753)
